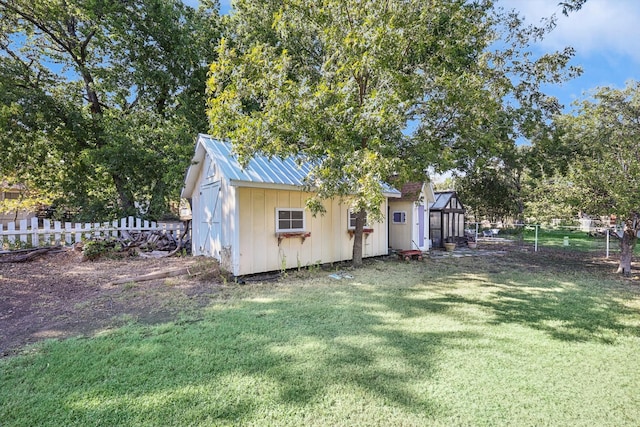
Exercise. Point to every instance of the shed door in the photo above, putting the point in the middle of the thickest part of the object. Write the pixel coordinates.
(421, 235)
(210, 224)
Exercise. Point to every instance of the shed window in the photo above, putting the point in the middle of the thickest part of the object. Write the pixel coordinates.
(290, 220)
(352, 220)
(399, 217)
(10, 195)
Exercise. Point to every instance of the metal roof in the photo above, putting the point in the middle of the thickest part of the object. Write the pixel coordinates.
(442, 199)
(260, 170)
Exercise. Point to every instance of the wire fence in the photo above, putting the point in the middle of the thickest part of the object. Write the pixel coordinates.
(600, 241)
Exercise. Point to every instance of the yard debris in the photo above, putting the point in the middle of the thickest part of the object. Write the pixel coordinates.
(146, 244)
(340, 275)
(151, 276)
(24, 255)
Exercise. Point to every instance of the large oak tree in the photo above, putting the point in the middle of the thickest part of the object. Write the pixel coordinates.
(370, 89)
(99, 100)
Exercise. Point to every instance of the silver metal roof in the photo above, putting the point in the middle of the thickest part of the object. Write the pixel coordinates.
(442, 199)
(261, 169)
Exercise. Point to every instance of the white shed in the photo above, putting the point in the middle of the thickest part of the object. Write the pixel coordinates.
(254, 219)
(409, 217)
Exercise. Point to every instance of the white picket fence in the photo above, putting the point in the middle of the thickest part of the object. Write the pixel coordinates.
(29, 233)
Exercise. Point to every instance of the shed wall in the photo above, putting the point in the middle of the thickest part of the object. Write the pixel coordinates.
(330, 240)
(401, 235)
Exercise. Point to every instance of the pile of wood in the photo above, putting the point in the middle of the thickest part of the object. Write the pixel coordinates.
(150, 244)
(147, 241)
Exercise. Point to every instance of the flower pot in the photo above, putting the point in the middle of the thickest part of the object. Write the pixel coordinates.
(472, 245)
(449, 247)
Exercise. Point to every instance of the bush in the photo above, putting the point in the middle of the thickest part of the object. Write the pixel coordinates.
(94, 249)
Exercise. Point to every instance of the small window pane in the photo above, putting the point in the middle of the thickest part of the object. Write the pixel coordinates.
(289, 220)
(399, 217)
(284, 215)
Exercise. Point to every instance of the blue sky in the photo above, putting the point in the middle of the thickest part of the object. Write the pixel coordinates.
(605, 34)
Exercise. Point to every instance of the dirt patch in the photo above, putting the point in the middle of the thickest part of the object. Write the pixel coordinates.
(60, 295)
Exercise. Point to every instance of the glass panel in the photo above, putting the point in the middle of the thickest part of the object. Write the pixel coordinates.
(297, 224)
(297, 214)
(283, 224)
(284, 214)
(399, 217)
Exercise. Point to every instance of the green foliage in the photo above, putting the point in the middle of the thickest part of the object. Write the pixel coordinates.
(104, 247)
(551, 198)
(370, 89)
(604, 134)
(99, 101)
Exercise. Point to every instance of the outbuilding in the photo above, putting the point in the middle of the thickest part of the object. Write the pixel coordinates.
(254, 219)
(409, 217)
(446, 219)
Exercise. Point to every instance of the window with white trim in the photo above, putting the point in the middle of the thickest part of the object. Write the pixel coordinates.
(399, 217)
(352, 220)
(290, 220)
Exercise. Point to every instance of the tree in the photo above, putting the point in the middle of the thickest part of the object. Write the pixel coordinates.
(371, 89)
(99, 101)
(603, 132)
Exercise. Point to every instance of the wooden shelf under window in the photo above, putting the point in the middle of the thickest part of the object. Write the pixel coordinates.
(365, 231)
(288, 235)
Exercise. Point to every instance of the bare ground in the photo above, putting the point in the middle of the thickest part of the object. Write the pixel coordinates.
(59, 295)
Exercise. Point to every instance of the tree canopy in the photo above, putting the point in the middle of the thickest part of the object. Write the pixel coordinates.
(372, 89)
(603, 133)
(99, 101)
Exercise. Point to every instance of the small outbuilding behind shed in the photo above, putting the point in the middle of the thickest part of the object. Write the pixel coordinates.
(409, 217)
(446, 218)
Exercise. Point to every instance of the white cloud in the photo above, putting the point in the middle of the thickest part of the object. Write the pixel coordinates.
(601, 27)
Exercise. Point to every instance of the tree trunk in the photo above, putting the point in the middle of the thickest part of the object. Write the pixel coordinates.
(126, 199)
(627, 244)
(357, 238)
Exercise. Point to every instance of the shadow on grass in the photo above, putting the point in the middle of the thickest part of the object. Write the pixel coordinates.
(336, 350)
(586, 312)
(287, 354)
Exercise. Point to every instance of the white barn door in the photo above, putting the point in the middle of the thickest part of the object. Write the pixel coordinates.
(210, 223)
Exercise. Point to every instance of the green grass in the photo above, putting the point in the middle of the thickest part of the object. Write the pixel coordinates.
(459, 342)
(578, 240)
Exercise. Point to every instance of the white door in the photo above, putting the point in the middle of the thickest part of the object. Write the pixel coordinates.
(210, 223)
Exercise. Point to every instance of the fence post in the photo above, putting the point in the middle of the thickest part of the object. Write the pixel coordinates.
(11, 228)
(46, 225)
(607, 242)
(24, 229)
(536, 241)
(57, 232)
(78, 232)
(34, 232)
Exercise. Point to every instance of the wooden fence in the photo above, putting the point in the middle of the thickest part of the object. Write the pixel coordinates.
(28, 233)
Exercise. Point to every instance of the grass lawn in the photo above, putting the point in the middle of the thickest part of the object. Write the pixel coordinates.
(576, 241)
(486, 341)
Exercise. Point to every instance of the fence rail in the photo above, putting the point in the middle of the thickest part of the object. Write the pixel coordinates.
(30, 233)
